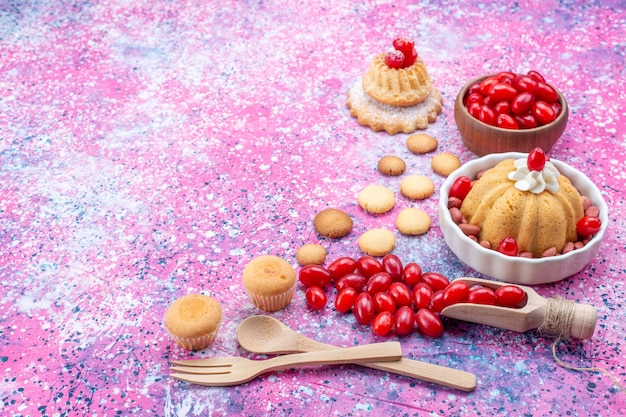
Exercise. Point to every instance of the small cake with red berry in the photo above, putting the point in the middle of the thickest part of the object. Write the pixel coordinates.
(524, 206)
(396, 93)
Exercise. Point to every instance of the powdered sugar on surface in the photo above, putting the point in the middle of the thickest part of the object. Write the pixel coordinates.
(393, 119)
(150, 149)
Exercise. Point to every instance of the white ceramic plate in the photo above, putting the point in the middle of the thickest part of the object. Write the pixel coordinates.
(519, 270)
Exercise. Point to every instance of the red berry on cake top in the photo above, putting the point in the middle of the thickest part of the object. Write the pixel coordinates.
(404, 45)
(404, 54)
(536, 160)
(394, 59)
(410, 58)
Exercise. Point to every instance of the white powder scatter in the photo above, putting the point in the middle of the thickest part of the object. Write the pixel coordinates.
(393, 119)
(27, 303)
(364, 407)
(237, 252)
(266, 225)
(520, 366)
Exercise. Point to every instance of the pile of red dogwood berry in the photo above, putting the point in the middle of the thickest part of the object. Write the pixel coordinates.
(390, 296)
(513, 101)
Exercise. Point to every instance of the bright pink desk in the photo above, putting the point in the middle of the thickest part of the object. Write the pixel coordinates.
(151, 149)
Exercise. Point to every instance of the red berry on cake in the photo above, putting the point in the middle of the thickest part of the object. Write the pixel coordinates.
(394, 59)
(404, 45)
(536, 160)
(407, 47)
(410, 58)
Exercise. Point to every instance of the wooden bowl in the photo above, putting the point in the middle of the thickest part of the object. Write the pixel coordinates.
(483, 139)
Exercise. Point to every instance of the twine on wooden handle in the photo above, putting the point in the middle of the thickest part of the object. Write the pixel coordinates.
(558, 320)
(559, 316)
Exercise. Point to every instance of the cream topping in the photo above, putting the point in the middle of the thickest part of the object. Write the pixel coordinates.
(535, 181)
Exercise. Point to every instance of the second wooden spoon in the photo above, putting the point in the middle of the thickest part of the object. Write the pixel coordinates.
(265, 334)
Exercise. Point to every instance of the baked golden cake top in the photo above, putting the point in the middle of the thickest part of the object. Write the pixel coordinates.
(539, 209)
(193, 315)
(405, 86)
(268, 275)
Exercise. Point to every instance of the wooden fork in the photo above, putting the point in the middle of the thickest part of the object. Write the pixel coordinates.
(237, 370)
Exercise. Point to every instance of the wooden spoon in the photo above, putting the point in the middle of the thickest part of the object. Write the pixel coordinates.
(531, 316)
(265, 334)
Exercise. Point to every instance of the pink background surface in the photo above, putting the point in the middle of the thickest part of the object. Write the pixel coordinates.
(151, 149)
